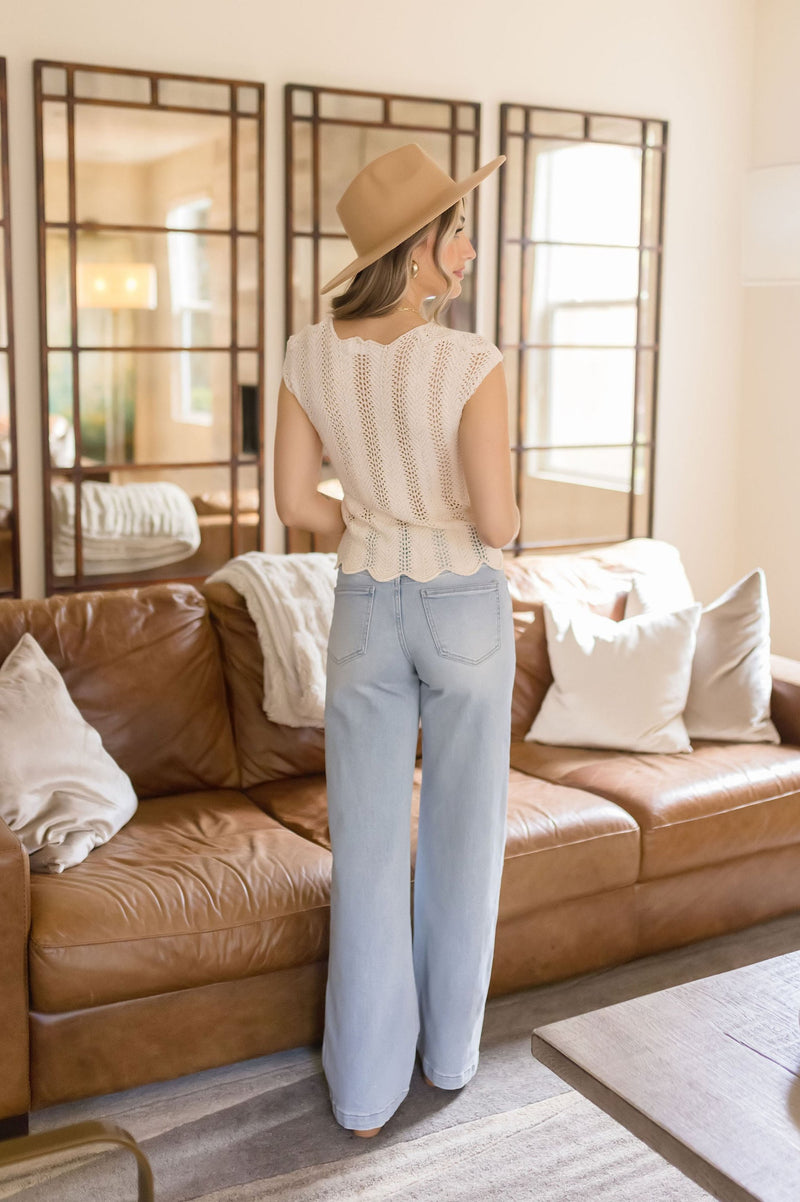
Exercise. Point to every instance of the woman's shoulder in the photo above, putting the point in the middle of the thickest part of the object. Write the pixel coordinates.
(468, 340)
(301, 343)
(478, 353)
(305, 332)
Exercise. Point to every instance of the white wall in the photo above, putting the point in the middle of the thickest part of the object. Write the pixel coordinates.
(769, 497)
(686, 61)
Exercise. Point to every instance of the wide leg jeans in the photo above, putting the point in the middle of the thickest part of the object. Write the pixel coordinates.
(403, 979)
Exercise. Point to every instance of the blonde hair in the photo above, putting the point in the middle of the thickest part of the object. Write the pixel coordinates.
(377, 288)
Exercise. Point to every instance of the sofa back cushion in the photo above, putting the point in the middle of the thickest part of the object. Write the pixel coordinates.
(267, 750)
(600, 579)
(533, 675)
(144, 669)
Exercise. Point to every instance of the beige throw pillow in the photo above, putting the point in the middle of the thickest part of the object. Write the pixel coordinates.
(620, 685)
(60, 790)
(731, 684)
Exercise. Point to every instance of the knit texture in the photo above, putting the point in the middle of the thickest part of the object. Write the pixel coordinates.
(388, 418)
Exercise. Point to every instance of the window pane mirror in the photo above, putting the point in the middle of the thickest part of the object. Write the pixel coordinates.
(151, 252)
(9, 525)
(331, 133)
(579, 278)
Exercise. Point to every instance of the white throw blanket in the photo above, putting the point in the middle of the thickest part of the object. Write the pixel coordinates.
(290, 599)
(124, 527)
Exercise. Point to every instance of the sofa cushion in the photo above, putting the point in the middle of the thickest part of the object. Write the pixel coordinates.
(197, 888)
(143, 667)
(560, 842)
(266, 749)
(785, 701)
(600, 578)
(533, 674)
(721, 801)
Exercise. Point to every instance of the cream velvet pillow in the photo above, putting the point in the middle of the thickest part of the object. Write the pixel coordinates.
(60, 790)
(620, 685)
(731, 684)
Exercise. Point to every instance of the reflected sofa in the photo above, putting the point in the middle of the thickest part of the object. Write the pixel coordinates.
(197, 936)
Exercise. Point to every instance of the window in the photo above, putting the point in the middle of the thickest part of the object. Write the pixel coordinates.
(579, 273)
(191, 308)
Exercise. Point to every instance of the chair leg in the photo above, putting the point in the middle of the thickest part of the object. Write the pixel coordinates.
(14, 1126)
(79, 1135)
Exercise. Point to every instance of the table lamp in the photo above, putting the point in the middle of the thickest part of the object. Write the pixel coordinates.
(116, 286)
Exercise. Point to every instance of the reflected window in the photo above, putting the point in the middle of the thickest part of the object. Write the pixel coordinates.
(152, 237)
(192, 303)
(578, 302)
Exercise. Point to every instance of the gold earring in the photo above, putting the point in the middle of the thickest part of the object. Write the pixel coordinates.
(414, 268)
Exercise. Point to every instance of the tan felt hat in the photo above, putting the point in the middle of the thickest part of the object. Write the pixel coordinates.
(394, 196)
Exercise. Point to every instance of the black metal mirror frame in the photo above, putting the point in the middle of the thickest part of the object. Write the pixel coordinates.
(516, 124)
(11, 473)
(238, 458)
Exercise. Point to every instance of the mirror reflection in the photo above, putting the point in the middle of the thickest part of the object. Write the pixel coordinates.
(581, 267)
(9, 534)
(332, 135)
(6, 482)
(152, 313)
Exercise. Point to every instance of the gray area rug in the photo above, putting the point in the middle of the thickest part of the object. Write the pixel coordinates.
(263, 1129)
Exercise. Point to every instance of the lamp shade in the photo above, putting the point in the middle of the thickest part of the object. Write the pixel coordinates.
(771, 231)
(117, 286)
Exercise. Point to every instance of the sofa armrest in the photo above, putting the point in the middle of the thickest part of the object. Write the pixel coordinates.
(785, 703)
(15, 921)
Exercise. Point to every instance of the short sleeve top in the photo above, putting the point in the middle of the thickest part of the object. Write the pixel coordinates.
(388, 418)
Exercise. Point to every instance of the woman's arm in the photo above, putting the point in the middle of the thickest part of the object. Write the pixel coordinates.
(296, 462)
(486, 456)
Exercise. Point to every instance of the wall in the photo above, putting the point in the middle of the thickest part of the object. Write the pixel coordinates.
(686, 61)
(769, 467)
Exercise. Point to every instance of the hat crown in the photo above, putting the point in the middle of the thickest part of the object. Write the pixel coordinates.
(386, 191)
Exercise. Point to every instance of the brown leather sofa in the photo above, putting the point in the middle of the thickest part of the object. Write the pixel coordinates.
(198, 935)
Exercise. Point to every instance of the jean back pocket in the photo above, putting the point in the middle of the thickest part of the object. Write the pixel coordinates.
(464, 621)
(352, 612)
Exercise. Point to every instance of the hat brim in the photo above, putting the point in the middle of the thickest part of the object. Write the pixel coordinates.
(446, 198)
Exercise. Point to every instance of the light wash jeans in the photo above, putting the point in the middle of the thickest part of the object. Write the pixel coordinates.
(399, 651)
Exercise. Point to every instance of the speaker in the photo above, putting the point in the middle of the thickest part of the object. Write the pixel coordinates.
(248, 396)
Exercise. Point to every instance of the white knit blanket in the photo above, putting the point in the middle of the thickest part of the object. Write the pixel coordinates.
(123, 526)
(290, 599)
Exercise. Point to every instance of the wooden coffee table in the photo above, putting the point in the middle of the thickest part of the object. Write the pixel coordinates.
(706, 1073)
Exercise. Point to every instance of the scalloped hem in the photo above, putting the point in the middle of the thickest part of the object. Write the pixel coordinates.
(456, 571)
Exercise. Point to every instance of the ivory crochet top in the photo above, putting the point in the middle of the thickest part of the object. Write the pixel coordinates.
(388, 417)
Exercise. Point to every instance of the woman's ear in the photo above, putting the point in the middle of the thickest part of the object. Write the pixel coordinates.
(425, 247)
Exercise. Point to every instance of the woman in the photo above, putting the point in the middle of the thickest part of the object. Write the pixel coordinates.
(414, 417)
